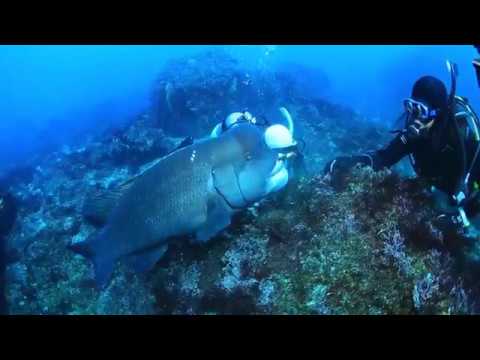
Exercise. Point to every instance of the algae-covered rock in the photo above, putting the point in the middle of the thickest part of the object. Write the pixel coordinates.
(360, 244)
(334, 257)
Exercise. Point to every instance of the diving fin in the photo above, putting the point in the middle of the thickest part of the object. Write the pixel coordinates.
(146, 260)
(99, 204)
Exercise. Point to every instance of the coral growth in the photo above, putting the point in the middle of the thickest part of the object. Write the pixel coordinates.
(360, 245)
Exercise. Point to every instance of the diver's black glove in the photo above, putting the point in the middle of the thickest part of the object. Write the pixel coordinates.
(338, 169)
(344, 163)
(452, 224)
(448, 223)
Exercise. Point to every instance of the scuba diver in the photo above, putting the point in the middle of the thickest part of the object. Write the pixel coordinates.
(441, 137)
(8, 214)
(232, 120)
(278, 138)
(202, 187)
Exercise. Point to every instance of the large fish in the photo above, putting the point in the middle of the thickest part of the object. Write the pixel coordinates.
(194, 190)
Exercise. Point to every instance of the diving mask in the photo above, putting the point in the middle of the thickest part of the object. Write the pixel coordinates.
(418, 110)
(238, 118)
(420, 118)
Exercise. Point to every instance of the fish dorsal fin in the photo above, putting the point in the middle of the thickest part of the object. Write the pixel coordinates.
(127, 183)
(99, 204)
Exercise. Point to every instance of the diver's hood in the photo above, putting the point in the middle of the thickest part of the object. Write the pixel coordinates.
(232, 119)
(237, 118)
(280, 137)
(431, 91)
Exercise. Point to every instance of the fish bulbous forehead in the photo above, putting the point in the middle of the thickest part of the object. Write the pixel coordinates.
(244, 141)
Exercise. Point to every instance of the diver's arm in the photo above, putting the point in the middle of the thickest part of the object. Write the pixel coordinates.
(277, 181)
(393, 153)
(379, 159)
(278, 178)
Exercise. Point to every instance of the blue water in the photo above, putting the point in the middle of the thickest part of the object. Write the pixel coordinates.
(52, 95)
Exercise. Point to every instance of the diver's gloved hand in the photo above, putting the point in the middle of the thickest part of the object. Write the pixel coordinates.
(453, 225)
(448, 223)
(344, 163)
(338, 170)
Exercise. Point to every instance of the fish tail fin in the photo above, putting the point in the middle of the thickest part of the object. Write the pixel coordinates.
(103, 265)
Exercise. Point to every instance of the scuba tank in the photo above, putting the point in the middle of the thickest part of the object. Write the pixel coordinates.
(462, 193)
(460, 188)
(476, 64)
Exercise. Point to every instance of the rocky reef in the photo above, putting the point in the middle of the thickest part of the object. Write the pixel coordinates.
(361, 244)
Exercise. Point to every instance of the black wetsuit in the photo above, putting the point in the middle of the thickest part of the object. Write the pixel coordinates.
(438, 158)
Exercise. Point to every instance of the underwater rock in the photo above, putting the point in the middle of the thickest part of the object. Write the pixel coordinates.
(267, 293)
(193, 94)
(302, 81)
(139, 144)
(22, 174)
(316, 247)
(424, 290)
(317, 301)
(309, 250)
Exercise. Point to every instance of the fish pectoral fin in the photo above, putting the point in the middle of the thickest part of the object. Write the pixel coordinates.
(103, 271)
(146, 260)
(218, 218)
(99, 204)
(103, 265)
